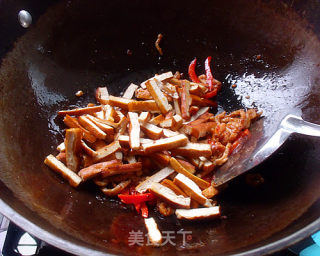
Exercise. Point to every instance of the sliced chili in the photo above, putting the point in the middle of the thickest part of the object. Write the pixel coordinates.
(192, 71)
(135, 199)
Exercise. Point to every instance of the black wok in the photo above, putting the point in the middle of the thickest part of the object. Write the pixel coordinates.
(76, 45)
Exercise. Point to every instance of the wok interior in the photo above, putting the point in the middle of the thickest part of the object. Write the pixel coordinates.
(83, 45)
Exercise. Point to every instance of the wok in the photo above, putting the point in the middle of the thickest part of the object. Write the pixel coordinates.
(76, 45)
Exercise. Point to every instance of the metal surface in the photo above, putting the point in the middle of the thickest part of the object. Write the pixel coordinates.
(83, 44)
(25, 18)
(288, 125)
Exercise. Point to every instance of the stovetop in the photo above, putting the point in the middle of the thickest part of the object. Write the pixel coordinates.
(14, 241)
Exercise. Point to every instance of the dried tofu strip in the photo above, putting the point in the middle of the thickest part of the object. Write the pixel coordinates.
(80, 111)
(193, 150)
(201, 130)
(158, 96)
(210, 192)
(119, 102)
(157, 177)
(202, 102)
(73, 145)
(91, 127)
(161, 77)
(134, 131)
(190, 188)
(122, 169)
(107, 129)
(87, 149)
(154, 233)
(165, 144)
(106, 151)
(180, 169)
(63, 170)
(176, 122)
(144, 117)
(199, 213)
(167, 195)
(61, 147)
(109, 113)
(73, 123)
(161, 158)
(176, 106)
(157, 120)
(99, 121)
(128, 94)
(168, 133)
(169, 184)
(185, 100)
(117, 189)
(152, 131)
(143, 94)
(147, 105)
(102, 95)
(125, 140)
(95, 169)
(198, 114)
(189, 167)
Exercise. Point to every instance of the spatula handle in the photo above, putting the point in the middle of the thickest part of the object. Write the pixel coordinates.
(296, 124)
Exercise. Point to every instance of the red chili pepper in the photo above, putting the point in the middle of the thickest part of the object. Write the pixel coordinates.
(211, 94)
(209, 73)
(192, 71)
(137, 198)
(144, 210)
(243, 136)
(138, 207)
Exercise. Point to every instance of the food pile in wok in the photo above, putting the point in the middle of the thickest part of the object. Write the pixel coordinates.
(156, 146)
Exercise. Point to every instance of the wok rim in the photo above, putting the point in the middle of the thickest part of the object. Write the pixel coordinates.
(73, 248)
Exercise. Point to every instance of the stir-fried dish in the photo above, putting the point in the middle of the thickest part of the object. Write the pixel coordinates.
(156, 146)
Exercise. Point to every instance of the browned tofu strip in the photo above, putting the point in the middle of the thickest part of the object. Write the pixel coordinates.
(168, 133)
(190, 188)
(107, 129)
(125, 140)
(117, 189)
(158, 96)
(134, 131)
(87, 149)
(152, 131)
(180, 169)
(73, 145)
(61, 157)
(189, 167)
(91, 127)
(122, 169)
(157, 120)
(193, 150)
(102, 121)
(106, 151)
(210, 192)
(201, 130)
(147, 105)
(61, 147)
(165, 144)
(143, 94)
(154, 233)
(144, 117)
(157, 177)
(202, 102)
(95, 169)
(199, 213)
(102, 95)
(161, 158)
(167, 195)
(176, 122)
(169, 184)
(119, 102)
(80, 111)
(185, 100)
(128, 94)
(63, 170)
(73, 123)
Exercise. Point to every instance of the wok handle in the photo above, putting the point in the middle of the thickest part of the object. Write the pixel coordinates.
(295, 124)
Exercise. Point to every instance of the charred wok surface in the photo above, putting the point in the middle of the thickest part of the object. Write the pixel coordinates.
(54, 60)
